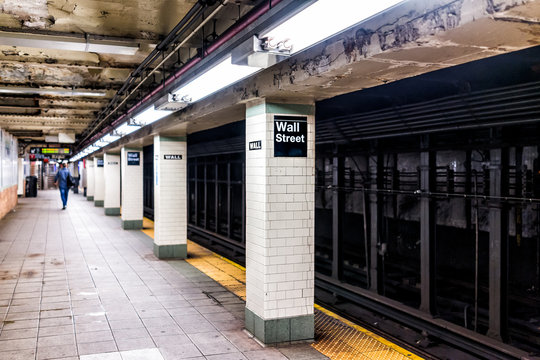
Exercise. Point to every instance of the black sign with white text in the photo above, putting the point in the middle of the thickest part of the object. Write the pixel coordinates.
(100, 163)
(172, 157)
(290, 136)
(255, 145)
(133, 158)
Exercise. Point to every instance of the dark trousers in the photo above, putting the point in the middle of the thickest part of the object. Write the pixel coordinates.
(64, 191)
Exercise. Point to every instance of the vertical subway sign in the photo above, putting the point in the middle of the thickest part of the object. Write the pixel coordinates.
(290, 136)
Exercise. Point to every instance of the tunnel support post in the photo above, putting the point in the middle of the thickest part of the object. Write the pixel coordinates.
(280, 236)
(498, 243)
(427, 228)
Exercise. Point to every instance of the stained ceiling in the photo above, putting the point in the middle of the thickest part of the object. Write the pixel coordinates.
(48, 87)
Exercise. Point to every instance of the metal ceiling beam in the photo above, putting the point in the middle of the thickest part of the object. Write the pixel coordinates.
(54, 91)
(46, 108)
(87, 43)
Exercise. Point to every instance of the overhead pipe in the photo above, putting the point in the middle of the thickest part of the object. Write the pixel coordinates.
(229, 34)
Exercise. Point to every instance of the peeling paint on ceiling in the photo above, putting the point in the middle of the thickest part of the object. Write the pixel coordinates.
(31, 13)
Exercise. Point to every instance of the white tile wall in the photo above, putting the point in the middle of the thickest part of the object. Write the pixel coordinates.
(132, 187)
(170, 192)
(112, 180)
(99, 182)
(279, 225)
(89, 177)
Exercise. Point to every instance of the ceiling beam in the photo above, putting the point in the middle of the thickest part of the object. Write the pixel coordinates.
(71, 42)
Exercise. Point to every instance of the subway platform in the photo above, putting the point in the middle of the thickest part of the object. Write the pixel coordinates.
(74, 285)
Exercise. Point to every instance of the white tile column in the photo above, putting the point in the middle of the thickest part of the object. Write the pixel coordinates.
(99, 182)
(89, 179)
(132, 188)
(170, 207)
(280, 195)
(112, 184)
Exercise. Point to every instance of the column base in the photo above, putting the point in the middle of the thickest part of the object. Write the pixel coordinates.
(274, 331)
(132, 224)
(178, 251)
(99, 203)
(112, 211)
(90, 198)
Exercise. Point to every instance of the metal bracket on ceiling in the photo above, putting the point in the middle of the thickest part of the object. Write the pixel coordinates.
(134, 122)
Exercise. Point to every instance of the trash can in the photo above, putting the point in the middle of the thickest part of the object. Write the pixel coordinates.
(31, 186)
(75, 187)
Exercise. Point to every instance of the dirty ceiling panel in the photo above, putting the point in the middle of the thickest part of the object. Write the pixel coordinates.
(26, 65)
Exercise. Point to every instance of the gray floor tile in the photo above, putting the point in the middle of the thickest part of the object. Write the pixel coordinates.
(94, 336)
(56, 352)
(97, 347)
(18, 354)
(185, 351)
(135, 344)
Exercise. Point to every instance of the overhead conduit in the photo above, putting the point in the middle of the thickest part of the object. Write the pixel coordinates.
(226, 36)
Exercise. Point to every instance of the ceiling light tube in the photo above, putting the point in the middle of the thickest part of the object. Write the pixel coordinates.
(53, 92)
(150, 115)
(126, 129)
(110, 138)
(323, 19)
(72, 43)
(216, 78)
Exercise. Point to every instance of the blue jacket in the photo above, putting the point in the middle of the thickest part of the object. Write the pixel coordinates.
(62, 176)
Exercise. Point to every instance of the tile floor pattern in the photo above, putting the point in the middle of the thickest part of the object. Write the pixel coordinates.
(74, 285)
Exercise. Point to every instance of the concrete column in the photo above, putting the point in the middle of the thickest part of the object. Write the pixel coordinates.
(99, 182)
(170, 206)
(132, 188)
(112, 184)
(279, 224)
(90, 179)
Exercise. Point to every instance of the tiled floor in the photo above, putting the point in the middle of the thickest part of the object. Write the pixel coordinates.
(74, 285)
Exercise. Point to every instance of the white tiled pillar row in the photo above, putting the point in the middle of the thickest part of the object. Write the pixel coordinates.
(170, 206)
(112, 184)
(132, 188)
(89, 179)
(279, 230)
(99, 183)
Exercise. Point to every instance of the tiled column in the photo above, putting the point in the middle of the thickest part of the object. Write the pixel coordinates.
(132, 188)
(90, 179)
(99, 182)
(112, 184)
(279, 227)
(170, 212)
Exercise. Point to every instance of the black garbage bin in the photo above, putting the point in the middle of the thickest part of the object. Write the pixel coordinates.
(75, 187)
(31, 186)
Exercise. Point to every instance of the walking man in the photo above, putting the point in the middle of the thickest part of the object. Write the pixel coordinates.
(61, 180)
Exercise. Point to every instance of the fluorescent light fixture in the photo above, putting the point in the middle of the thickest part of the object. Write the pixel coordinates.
(101, 143)
(110, 138)
(73, 43)
(126, 129)
(54, 92)
(216, 78)
(323, 19)
(150, 114)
